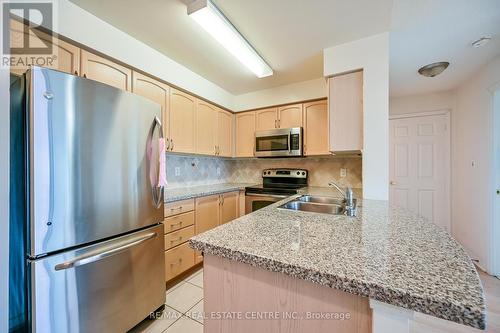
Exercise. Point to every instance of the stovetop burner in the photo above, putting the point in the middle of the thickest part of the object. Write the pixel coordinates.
(280, 181)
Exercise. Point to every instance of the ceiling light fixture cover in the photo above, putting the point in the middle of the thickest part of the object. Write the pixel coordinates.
(206, 14)
(433, 69)
(481, 42)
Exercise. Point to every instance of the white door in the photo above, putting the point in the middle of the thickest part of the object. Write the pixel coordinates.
(420, 165)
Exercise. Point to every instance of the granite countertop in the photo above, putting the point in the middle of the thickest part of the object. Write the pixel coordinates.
(385, 253)
(175, 194)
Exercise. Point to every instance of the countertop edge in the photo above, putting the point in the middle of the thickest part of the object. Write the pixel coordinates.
(204, 193)
(475, 318)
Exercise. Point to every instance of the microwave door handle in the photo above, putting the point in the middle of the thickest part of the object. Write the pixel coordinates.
(100, 255)
(289, 143)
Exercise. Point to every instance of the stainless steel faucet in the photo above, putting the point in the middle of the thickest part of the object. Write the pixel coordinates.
(350, 202)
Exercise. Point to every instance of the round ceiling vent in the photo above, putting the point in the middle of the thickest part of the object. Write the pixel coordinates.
(433, 69)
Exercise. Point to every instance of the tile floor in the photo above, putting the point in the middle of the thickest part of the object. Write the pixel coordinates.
(183, 310)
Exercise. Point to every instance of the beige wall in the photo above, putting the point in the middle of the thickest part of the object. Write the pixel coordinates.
(471, 142)
(444, 100)
(472, 186)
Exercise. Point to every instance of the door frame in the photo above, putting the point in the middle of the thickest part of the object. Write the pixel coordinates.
(494, 264)
(444, 112)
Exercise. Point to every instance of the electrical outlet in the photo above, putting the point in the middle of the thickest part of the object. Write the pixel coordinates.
(218, 171)
(343, 172)
(177, 171)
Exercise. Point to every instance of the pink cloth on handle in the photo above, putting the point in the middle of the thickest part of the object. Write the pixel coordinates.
(162, 176)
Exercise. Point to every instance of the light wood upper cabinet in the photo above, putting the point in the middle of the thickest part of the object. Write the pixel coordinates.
(229, 207)
(182, 121)
(206, 128)
(106, 71)
(68, 55)
(225, 133)
(156, 91)
(316, 128)
(290, 116)
(266, 119)
(245, 134)
(207, 210)
(346, 112)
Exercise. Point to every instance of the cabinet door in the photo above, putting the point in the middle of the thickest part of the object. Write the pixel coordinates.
(290, 116)
(245, 134)
(182, 121)
(229, 207)
(156, 91)
(68, 56)
(106, 71)
(207, 211)
(316, 128)
(346, 112)
(266, 119)
(206, 128)
(225, 133)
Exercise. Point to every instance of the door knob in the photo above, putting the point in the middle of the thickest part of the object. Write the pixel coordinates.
(393, 182)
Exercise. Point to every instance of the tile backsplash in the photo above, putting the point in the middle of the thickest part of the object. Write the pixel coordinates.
(202, 170)
(197, 170)
(322, 170)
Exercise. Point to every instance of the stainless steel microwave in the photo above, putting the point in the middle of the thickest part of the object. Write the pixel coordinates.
(280, 142)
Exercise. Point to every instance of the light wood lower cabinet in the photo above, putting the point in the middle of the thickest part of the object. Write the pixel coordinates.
(178, 260)
(229, 207)
(245, 134)
(106, 71)
(316, 128)
(178, 237)
(186, 218)
(207, 211)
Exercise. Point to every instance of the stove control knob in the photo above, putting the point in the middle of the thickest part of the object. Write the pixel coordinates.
(303, 173)
(298, 173)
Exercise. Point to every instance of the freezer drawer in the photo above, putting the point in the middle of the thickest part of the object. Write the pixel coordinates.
(107, 287)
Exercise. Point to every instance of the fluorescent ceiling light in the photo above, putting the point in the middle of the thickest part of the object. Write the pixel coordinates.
(218, 26)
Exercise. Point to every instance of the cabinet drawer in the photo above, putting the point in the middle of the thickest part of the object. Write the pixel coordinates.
(178, 237)
(177, 260)
(177, 222)
(179, 207)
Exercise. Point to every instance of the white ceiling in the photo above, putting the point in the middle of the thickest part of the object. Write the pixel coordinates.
(291, 34)
(427, 31)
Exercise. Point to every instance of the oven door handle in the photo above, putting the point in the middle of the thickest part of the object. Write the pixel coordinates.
(267, 195)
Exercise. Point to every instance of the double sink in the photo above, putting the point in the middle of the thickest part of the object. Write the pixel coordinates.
(317, 204)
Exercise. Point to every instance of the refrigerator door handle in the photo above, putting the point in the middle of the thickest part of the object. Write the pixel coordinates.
(105, 253)
(157, 191)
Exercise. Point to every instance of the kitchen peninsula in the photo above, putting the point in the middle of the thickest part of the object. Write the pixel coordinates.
(386, 270)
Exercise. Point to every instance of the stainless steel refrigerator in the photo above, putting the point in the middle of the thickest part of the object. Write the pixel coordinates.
(86, 239)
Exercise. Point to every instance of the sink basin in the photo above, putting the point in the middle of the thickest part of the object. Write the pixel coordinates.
(335, 209)
(321, 200)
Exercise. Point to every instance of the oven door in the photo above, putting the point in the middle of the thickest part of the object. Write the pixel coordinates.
(256, 201)
(278, 142)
